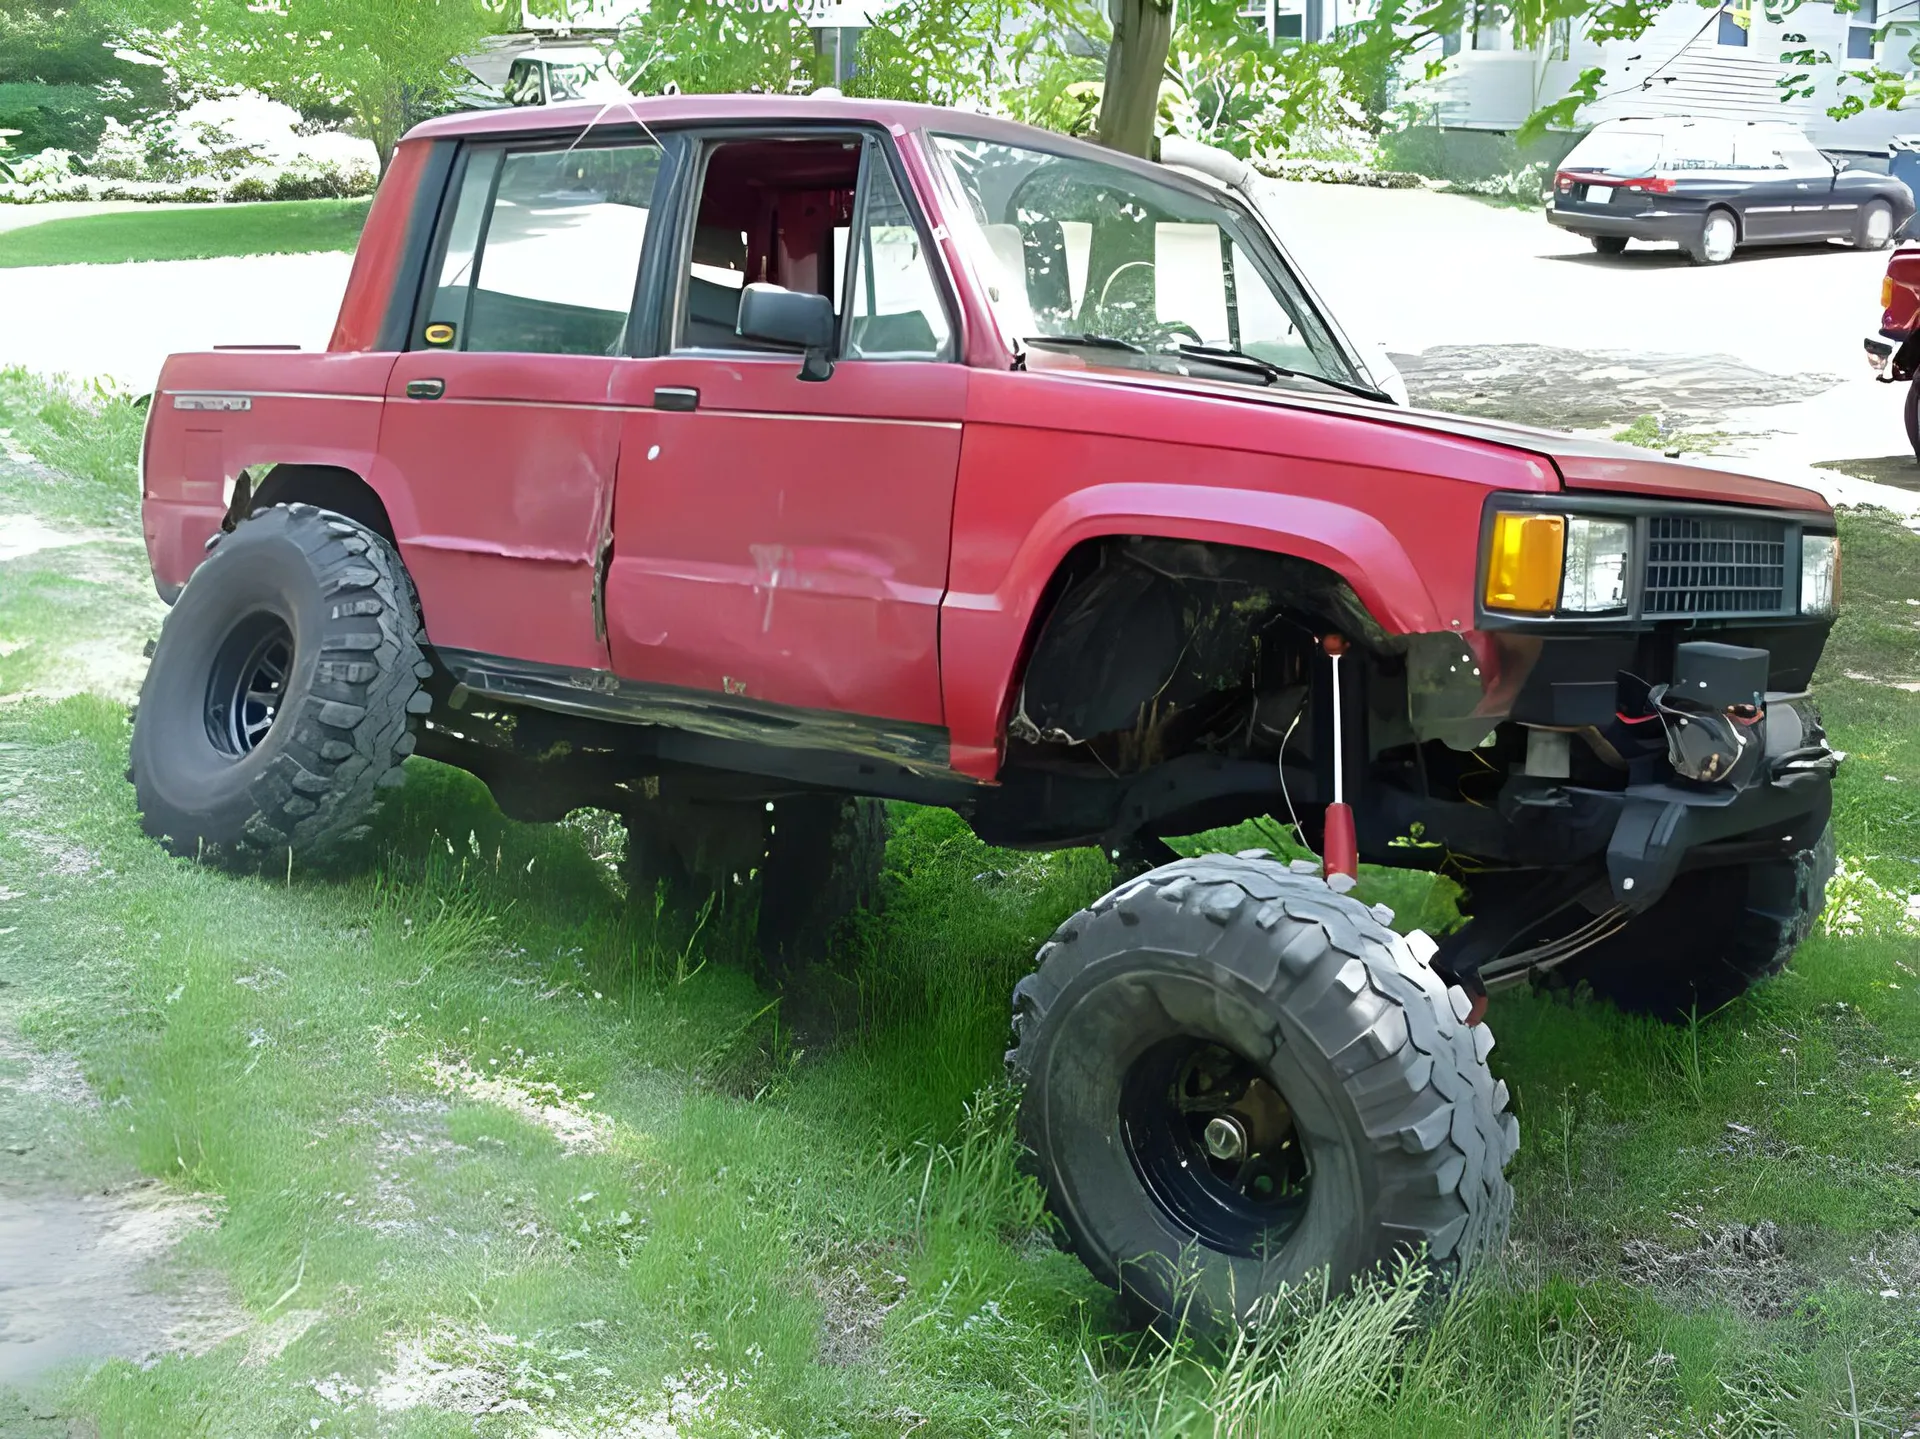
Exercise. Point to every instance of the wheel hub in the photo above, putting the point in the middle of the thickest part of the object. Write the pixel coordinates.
(1215, 1144)
(247, 684)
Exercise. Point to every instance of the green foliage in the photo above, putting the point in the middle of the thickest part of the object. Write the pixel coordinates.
(387, 64)
(719, 46)
(60, 78)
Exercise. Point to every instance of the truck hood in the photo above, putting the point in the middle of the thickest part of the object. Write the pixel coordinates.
(1597, 465)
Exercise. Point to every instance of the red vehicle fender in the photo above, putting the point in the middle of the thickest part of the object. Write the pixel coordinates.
(216, 414)
(984, 636)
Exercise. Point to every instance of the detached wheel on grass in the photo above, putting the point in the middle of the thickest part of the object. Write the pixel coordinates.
(1713, 936)
(280, 699)
(1234, 1077)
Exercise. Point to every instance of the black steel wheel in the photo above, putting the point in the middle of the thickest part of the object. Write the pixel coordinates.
(1608, 244)
(1234, 1078)
(1215, 1144)
(248, 684)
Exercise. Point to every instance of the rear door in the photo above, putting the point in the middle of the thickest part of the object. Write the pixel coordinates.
(499, 419)
(1811, 174)
(775, 539)
(1770, 190)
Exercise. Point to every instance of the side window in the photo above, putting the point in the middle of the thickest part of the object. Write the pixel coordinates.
(773, 210)
(544, 251)
(896, 313)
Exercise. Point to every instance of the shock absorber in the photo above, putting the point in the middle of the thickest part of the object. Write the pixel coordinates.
(1340, 847)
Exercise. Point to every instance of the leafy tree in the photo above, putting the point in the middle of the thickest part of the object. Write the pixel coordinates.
(712, 46)
(387, 63)
(60, 76)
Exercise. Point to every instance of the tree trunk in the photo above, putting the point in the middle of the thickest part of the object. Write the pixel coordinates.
(1130, 99)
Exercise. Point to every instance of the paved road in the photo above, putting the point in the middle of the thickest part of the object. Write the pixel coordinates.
(1766, 346)
(1498, 311)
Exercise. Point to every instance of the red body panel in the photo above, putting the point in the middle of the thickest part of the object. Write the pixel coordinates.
(377, 258)
(787, 541)
(321, 409)
(508, 481)
(877, 544)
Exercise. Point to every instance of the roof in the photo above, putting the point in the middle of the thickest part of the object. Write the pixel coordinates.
(664, 110)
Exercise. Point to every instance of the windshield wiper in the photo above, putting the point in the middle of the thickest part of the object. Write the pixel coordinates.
(1223, 355)
(1082, 341)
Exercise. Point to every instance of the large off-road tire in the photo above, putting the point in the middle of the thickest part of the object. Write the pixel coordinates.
(807, 860)
(1234, 1077)
(281, 696)
(1714, 935)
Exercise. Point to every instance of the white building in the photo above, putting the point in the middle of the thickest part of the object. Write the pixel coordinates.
(1691, 61)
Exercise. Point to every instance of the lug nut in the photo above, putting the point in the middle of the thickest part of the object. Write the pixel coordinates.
(1225, 1138)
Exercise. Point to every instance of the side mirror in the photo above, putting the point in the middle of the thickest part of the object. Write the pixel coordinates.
(788, 317)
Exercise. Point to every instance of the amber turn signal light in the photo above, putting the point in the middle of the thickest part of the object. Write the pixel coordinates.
(1524, 562)
(1886, 292)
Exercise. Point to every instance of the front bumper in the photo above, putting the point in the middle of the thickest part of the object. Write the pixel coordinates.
(1670, 225)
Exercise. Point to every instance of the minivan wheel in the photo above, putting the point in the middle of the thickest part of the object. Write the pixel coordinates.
(1875, 229)
(1719, 234)
(1608, 244)
(282, 691)
(1234, 1079)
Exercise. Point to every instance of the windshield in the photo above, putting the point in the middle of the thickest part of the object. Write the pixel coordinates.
(568, 82)
(1618, 152)
(1073, 247)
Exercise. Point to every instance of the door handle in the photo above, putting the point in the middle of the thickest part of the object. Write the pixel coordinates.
(426, 389)
(676, 397)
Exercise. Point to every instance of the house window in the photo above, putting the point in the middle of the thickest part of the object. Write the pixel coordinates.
(1733, 27)
(1860, 31)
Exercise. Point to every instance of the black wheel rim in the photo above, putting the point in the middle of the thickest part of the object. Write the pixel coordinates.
(1215, 1144)
(248, 682)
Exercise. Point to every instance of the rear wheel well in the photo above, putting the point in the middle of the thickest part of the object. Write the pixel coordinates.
(326, 487)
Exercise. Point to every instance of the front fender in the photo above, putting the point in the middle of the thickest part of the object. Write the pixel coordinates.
(984, 634)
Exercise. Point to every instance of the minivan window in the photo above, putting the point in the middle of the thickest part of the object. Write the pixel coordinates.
(1618, 152)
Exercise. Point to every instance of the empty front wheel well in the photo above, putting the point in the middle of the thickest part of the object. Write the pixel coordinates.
(326, 487)
(1145, 648)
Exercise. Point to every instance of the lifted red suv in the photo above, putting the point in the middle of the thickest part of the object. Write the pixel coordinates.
(732, 463)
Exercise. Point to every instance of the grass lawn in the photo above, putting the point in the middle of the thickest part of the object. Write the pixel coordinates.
(481, 1146)
(279, 227)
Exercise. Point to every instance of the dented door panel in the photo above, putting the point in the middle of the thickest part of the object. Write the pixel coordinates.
(787, 541)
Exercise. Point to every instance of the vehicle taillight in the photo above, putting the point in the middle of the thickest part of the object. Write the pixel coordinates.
(1653, 185)
(1563, 182)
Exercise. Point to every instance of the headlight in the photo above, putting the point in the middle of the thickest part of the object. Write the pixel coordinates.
(1819, 574)
(1596, 569)
(1523, 567)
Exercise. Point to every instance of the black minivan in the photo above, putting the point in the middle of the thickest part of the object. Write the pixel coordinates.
(1711, 186)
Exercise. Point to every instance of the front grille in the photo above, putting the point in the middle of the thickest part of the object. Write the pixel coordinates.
(1699, 565)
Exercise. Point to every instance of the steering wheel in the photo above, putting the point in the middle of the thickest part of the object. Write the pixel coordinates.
(1101, 303)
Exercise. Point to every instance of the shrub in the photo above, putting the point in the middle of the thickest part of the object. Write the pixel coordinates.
(251, 186)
